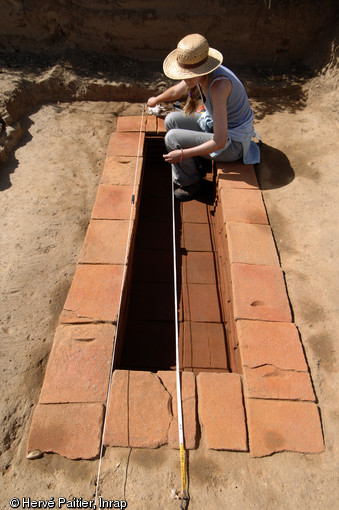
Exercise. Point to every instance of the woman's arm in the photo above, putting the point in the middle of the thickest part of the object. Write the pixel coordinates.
(220, 91)
(171, 94)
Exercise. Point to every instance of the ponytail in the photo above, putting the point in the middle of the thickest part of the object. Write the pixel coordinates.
(192, 101)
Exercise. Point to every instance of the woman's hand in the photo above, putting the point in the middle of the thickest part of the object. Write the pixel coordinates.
(152, 102)
(173, 156)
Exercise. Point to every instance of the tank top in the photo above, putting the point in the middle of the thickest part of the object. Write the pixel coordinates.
(238, 106)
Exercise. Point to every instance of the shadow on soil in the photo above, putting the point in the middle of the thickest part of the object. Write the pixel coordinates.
(11, 164)
(274, 171)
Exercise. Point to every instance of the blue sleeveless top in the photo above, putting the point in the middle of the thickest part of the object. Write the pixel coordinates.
(238, 106)
(239, 116)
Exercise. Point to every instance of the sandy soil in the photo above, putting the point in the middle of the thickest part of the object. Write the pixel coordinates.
(47, 189)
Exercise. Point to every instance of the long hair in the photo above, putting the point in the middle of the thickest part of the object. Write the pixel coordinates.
(192, 101)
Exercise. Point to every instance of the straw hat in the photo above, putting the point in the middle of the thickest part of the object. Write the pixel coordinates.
(192, 57)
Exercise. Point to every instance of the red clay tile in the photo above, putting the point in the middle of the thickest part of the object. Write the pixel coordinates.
(199, 267)
(161, 129)
(116, 430)
(270, 382)
(251, 243)
(122, 170)
(131, 123)
(113, 203)
(196, 237)
(271, 343)
(194, 211)
(105, 242)
(149, 411)
(94, 294)
(221, 411)
(188, 399)
(79, 365)
(236, 175)
(259, 293)
(126, 144)
(201, 302)
(71, 430)
(243, 205)
(282, 425)
(151, 124)
(131, 420)
(204, 345)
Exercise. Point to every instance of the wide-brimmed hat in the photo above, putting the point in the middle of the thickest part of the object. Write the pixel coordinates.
(192, 57)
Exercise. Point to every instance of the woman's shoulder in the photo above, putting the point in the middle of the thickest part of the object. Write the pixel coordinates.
(220, 74)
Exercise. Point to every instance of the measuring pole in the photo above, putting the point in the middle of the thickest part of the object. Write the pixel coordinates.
(185, 497)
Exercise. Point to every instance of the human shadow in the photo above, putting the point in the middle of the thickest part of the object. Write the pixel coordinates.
(274, 170)
(9, 166)
(6, 169)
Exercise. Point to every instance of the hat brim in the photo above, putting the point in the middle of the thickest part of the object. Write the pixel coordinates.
(174, 71)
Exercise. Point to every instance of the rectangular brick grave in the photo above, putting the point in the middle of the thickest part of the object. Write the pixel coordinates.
(279, 397)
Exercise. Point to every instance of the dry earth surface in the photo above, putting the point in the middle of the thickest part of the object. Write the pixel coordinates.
(47, 189)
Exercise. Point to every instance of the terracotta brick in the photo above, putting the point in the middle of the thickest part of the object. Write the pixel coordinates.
(122, 170)
(131, 123)
(282, 425)
(71, 430)
(161, 129)
(94, 294)
(151, 124)
(188, 399)
(221, 411)
(143, 427)
(201, 302)
(147, 428)
(196, 237)
(243, 205)
(251, 243)
(273, 383)
(259, 293)
(204, 345)
(271, 343)
(105, 242)
(198, 267)
(116, 430)
(113, 203)
(79, 364)
(236, 175)
(194, 211)
(126, 144)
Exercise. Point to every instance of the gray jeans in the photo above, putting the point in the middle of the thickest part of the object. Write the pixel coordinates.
(184, 132)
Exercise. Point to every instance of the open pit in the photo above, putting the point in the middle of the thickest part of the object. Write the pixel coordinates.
(60, 110)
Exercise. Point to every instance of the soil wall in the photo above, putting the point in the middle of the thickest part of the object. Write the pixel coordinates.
(274, 33)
